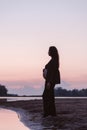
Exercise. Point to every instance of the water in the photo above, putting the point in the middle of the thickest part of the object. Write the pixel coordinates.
(9, 121)
(20, 98)
(34, 98)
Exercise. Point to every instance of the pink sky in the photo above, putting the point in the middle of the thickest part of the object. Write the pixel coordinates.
(28, 28)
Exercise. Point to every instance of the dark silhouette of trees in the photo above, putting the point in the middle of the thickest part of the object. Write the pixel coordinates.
(3, 90)
(60, 92)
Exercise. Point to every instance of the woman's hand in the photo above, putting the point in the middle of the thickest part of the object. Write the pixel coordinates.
(44, 73)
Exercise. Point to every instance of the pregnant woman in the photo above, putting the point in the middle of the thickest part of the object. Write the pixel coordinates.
(51, 75)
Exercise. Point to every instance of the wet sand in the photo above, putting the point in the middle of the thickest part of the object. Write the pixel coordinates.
(71, 114)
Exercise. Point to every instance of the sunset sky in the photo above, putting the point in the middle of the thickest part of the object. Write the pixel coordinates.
(28, 28)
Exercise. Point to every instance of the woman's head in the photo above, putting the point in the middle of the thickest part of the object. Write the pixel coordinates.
(53, 52)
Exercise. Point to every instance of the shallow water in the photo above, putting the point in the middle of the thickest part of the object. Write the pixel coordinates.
(35, 98)
(9, 121)
(19, 98)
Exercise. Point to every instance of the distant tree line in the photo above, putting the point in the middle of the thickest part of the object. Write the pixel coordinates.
(60, 92)
(3, 90)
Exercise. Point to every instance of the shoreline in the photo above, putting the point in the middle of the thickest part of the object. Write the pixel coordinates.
(71, 114)
(25, 117)
(20, 113)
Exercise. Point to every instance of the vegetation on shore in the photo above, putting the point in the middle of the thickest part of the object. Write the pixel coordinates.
(59, 92)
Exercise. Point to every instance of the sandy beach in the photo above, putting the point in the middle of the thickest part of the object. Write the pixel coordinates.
(71, 114)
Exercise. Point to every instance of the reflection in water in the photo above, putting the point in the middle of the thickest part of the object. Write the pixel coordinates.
(34, 98)
(9, 121)
(19, 98)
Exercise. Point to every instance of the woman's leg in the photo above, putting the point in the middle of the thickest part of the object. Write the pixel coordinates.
(49, 101)
(46, 102)
(52, 108)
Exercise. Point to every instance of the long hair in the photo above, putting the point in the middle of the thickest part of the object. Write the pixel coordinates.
(53, 52)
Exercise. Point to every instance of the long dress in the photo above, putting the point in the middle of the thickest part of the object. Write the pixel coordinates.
(53, 77)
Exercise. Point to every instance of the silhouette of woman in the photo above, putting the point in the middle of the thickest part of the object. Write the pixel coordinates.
(51, 75)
